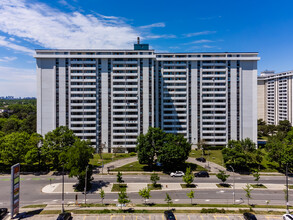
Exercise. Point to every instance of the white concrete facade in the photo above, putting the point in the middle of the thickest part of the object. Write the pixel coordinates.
(112, 96)
(275, 96)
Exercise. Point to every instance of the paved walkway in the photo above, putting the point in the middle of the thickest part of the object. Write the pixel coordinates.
(117, 163)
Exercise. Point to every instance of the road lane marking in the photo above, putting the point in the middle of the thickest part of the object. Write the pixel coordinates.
(84, 217)
(162, 217)
(188, 217)
(201, 217)
(98, 218)
(176, 217)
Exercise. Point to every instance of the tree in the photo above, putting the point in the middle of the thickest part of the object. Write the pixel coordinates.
(174, 152)
(171, 150)
(248, 190)
(242, 155)
(34, 154)
(145, 194)
(154, 179)
(77, 158)
(201, 145)
(119, 178)
(168, 200)
(256, 176)
(123, 198)
(148, 145)
(56, 144)
(191, 196)
(222, 176)
(188, 177)
(102, 195)
(284, 126)
(14, 147)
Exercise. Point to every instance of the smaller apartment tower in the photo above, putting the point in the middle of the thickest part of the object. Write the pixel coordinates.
(275, 96)
(112, 96)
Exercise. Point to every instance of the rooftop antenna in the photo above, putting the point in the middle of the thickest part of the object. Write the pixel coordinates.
(137, 40)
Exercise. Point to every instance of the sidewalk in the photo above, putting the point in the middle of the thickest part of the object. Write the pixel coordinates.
(130, 206)
(117, 163)
(135, 187)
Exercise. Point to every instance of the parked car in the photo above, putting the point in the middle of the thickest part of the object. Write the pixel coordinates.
(64, 216)
(201, 159)
(249, 216)
(3, 212)
(202, 174)
(287, 217)
(169, 215)
(177, 174)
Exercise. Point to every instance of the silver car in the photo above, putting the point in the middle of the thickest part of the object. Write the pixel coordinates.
(177, 174)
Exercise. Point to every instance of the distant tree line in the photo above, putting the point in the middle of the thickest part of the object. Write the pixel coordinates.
(18, 118)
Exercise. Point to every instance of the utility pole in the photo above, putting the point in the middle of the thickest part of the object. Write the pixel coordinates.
(62, 196)
(287, 190)
(85, 184)
(233, 184)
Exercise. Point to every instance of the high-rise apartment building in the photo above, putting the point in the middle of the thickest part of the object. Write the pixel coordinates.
(275, 96)
(112, 96)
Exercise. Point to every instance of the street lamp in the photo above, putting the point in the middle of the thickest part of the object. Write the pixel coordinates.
(85, 184)
(233, 184)
(62, 196)
(287, 190)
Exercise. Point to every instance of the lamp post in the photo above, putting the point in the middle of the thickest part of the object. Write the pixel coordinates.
(233, 184)
(62, 195)
(287, 190)
(85, 184)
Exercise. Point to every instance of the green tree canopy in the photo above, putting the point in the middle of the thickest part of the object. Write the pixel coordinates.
(148, 145)
(56, 143)
(76, 161)
(174, 152)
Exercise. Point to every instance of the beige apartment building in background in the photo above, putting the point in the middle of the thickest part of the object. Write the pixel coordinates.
(275, 96)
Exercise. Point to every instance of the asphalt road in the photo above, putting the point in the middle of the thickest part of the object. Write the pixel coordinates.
(31, 191)
(180, 216)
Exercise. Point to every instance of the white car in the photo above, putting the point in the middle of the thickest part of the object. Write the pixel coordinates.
(177, 174)
(287, 217)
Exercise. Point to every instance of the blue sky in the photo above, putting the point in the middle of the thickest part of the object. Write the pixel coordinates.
(263, 26)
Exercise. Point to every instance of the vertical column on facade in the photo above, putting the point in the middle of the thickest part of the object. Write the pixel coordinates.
(289, 99)
(145, 96)
(249, 100)
(156, 95)
(47, 93)
(62, 93)
(233, 99)
(194, 106)
(110, 106)
(104, 102)
(39, 96)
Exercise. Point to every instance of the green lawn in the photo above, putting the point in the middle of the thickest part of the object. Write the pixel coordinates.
(119, 187)
(267, 166)
(156, 187)
(109, 157)
(136, 166)
(211, 155)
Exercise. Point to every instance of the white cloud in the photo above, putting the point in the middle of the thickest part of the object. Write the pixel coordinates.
(17, 82)
(5, 43)
(51, 28)
(199, 42)
(7, 59)
(200, 33)
(160, 24)
(165, 36)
